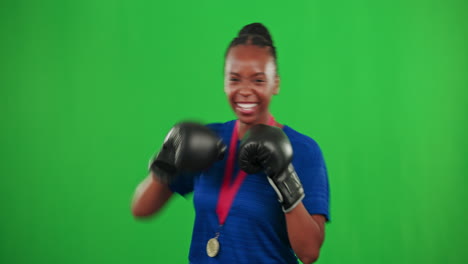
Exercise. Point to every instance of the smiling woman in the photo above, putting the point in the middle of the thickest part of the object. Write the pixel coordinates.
(251, 81)
(251, 78)
(254, 201)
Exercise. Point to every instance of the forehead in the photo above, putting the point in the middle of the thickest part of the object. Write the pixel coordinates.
(248, 56)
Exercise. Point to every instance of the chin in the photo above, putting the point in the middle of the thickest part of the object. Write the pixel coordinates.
(247, 119)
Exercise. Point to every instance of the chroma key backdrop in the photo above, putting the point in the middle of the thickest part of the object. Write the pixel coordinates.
(89, 89)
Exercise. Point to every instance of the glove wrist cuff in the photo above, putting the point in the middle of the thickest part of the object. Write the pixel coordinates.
(162, 170)
(288, 188)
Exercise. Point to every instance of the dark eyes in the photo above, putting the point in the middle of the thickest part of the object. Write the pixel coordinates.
(237, 80)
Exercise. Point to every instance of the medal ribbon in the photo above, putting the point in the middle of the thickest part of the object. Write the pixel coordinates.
(228, 190)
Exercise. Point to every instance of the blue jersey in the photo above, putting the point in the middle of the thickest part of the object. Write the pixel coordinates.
(255, 229)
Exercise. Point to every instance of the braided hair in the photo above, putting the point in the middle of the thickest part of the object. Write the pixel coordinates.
(254, 34)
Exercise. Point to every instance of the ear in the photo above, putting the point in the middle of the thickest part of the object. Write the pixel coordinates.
(276, 87)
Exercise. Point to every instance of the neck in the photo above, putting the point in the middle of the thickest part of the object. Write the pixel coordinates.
(243, 127)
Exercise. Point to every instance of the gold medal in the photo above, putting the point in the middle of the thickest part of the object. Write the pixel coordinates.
(212, 247)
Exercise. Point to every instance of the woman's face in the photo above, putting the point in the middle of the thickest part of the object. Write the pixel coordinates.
(250, 80)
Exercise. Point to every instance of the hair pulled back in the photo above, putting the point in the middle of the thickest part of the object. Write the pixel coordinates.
(254, 34)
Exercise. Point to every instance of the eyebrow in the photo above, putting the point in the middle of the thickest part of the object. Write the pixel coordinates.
(255, 74)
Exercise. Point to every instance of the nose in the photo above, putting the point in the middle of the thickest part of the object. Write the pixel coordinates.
(245, 91)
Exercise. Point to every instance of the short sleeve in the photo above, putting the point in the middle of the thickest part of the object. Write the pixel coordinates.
(310, 167)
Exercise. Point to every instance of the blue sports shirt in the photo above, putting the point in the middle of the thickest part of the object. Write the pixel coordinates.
(255, 229)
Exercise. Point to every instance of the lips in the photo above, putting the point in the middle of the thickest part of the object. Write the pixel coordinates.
(246, 105)
(246, 108)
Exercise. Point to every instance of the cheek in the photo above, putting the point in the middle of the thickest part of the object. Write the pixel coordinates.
(229, 94)
(264, 91)
(265, 95)
(229, 90)
(227, 86)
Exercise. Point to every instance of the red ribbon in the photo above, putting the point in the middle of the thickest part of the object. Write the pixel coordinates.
(228, 190)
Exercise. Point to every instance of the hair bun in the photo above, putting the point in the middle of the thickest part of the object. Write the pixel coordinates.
(256, 29)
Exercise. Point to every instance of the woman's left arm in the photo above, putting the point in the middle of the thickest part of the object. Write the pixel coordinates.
(306, 233)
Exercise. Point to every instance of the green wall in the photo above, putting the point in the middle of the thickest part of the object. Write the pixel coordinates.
(88, 90)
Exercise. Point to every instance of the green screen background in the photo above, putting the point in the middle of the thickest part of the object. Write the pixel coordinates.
(90, 88)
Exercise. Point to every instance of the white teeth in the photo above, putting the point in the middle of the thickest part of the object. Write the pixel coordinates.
(247, 106)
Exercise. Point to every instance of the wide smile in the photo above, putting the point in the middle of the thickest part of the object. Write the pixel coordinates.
(246, 108)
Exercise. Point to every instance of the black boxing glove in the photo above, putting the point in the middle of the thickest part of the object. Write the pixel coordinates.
(267, 148)
(188, 147)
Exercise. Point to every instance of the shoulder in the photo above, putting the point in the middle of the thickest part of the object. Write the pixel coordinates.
(222, 129)
(307, 151)
(301, 142)
(218, 126)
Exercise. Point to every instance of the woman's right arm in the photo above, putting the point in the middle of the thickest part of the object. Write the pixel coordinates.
(150, 196)
(196, 147)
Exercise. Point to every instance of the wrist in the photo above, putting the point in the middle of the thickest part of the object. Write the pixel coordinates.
(162, 171)
(288, 188)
